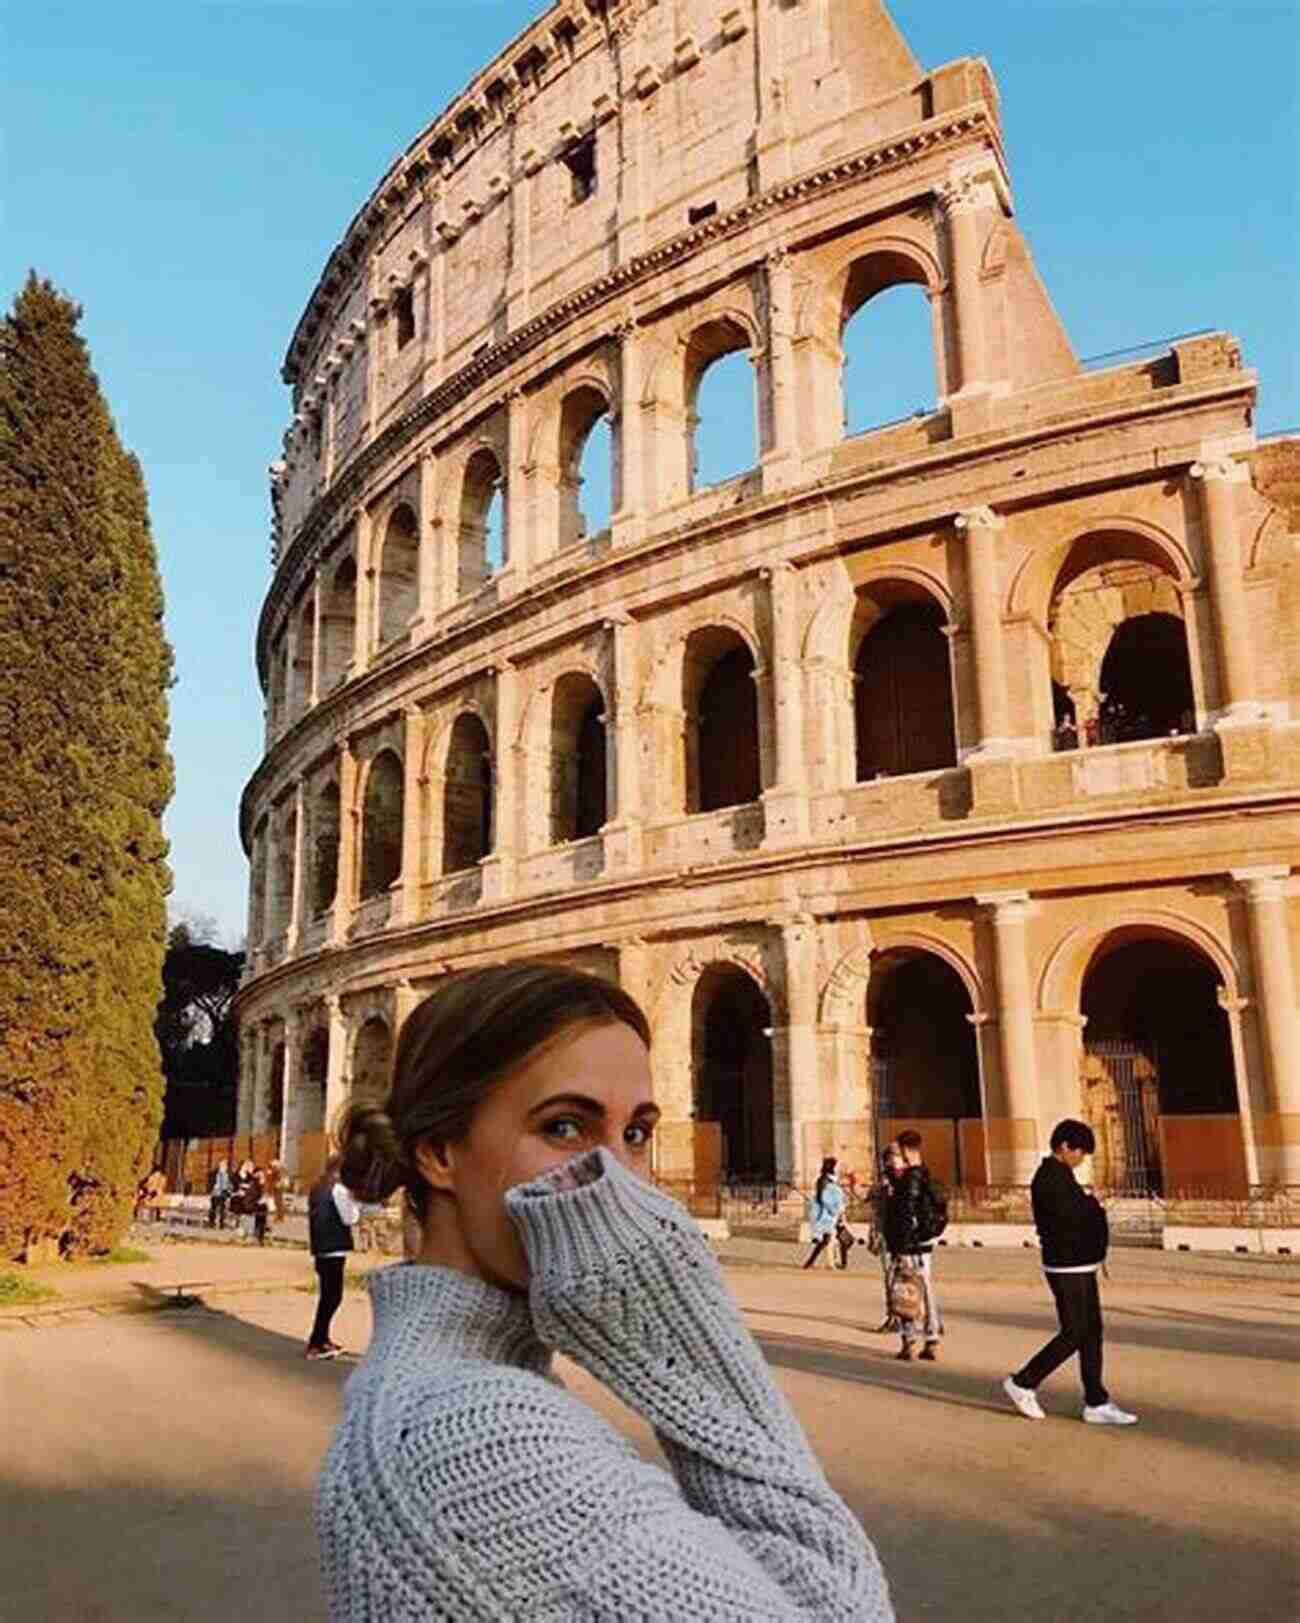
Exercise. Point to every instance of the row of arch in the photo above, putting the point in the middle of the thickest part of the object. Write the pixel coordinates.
(1157, 1075)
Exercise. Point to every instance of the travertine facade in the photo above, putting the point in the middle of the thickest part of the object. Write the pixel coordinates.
(817, 761)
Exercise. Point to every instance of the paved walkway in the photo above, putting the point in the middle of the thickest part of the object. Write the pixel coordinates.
(158, 1466)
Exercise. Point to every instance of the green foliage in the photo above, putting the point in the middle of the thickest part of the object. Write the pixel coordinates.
(15, 1291)
(84, 673)
(197, 1035)
(124, 1253)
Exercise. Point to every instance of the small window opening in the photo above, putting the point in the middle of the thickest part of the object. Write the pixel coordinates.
(705, 211)
(404, 309)
(580, 160)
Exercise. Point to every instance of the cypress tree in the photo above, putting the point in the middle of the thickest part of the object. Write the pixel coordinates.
(86, 776)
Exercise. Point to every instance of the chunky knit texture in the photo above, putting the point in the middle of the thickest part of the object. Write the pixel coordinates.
(464, 1483)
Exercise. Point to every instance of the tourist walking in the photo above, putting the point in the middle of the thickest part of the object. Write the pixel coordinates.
(464, 1480)
(219, 1191)
(1074, 1236)
(825, 1213)
(891, 1166)
(332, 1215)
(915, 1217)
(276, 1182)
(261, 1205)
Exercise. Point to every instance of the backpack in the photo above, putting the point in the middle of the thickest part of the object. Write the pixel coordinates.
(933, 1218)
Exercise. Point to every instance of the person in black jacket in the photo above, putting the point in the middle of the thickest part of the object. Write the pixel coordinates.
(910, 1239)
(1073, 1233)
(332, 1214)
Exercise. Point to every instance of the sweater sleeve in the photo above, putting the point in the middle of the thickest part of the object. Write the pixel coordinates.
(623, 1283)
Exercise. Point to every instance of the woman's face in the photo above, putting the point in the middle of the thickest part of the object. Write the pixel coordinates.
(589, 1087)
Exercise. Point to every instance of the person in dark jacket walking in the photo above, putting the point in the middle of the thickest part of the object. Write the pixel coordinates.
(1074, 1236)
(332, 1214)
(909, 1235)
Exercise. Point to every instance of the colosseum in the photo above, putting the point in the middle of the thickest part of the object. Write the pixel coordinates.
(941, 770)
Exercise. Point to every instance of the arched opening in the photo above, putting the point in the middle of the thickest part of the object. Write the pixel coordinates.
(399, 576)
(1159, 1079)
(257, 884)
(315, 1072)
(482, 551)
(338, 624)
(278, 697)
(467, 795)
(887, 339)
(371, 1061)
(1119, 661)
(325, 849)
(586, 465)
(579, 806)
(275, 1088)
(721, 404)
(1146, 680)
(732, 1041)
(925, 1061)
(282, 872)
(902, 687)
(381, 825)
(721, 705)
(301, 675)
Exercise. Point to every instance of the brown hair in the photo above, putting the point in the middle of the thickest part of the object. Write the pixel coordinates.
(909, 1139)
(468, 1036)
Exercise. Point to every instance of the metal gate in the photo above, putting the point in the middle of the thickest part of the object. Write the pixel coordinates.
(1121, 1090)
(882, 1106)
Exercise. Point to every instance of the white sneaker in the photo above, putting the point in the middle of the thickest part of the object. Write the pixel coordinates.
(1025, 1399)
(1108, 1414)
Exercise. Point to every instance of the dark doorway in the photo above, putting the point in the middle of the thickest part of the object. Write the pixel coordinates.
(903, 695)
(1146, 678)
(733, 1073)
(467, 798)
(728, 765)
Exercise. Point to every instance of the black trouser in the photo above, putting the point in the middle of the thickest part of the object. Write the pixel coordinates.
(329, 1270)
(1078, 1308)
(217, 1211)
(259, 1224)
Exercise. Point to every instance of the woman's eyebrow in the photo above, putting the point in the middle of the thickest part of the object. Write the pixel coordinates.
(593, 1107)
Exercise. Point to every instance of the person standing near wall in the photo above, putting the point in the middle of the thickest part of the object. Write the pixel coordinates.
(219, 1195)
(1074, 1235)
(825, 1212)
(332, 1214)
(891, 1167)
(912, 1224)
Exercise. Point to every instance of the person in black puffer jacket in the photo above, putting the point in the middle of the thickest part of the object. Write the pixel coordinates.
(911, 1245)
(1074, 1236)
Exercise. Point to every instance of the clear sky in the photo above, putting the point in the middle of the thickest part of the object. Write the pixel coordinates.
(183, 168)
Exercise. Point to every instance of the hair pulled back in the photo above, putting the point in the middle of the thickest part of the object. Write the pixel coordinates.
(477, 1028)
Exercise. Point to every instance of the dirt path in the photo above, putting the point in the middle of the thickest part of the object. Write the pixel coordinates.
(160, 1465)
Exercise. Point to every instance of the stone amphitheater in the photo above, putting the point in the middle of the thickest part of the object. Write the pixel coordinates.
(944, 772)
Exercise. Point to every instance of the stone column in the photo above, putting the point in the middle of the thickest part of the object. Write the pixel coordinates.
(412, 813)
(1012, 1122)
(520, 547)
(626, 524)
(299, 883)
(499, 867)
(797, 1096)
(405, 1000)
(246, 1100)
(361, 627)
(349, 816)
(1277, 1130)
(970, 203)
(336, 1080)
(786, 802)
(623, 833)
(778, 438)
(982, 529)
(313, 681)
(1218, 486)
(289, 1113)
(431, 530)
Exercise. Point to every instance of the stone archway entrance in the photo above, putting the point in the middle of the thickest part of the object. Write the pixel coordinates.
(732, 1055)
(925, 1062)
(1159, 1080)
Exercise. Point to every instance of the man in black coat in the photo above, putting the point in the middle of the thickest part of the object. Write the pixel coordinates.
(910, 1233)
(1073, 1232)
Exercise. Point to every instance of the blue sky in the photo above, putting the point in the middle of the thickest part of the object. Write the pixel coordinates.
(183, 167)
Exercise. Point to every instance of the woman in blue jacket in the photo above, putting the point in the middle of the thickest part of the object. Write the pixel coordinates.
(825, 1209)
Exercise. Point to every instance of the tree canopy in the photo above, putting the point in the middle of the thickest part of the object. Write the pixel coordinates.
(197, 1035)
(84, 674)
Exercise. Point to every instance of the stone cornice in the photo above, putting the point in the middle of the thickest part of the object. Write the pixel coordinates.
(896, 153)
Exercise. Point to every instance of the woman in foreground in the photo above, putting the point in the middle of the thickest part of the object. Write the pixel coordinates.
(463, 1482)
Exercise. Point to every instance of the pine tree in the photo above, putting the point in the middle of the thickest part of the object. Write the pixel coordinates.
(85, 778)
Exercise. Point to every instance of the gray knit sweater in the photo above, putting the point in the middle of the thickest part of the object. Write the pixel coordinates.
(464, 1483)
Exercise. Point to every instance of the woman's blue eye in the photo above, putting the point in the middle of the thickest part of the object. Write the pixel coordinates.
(563, 1127)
